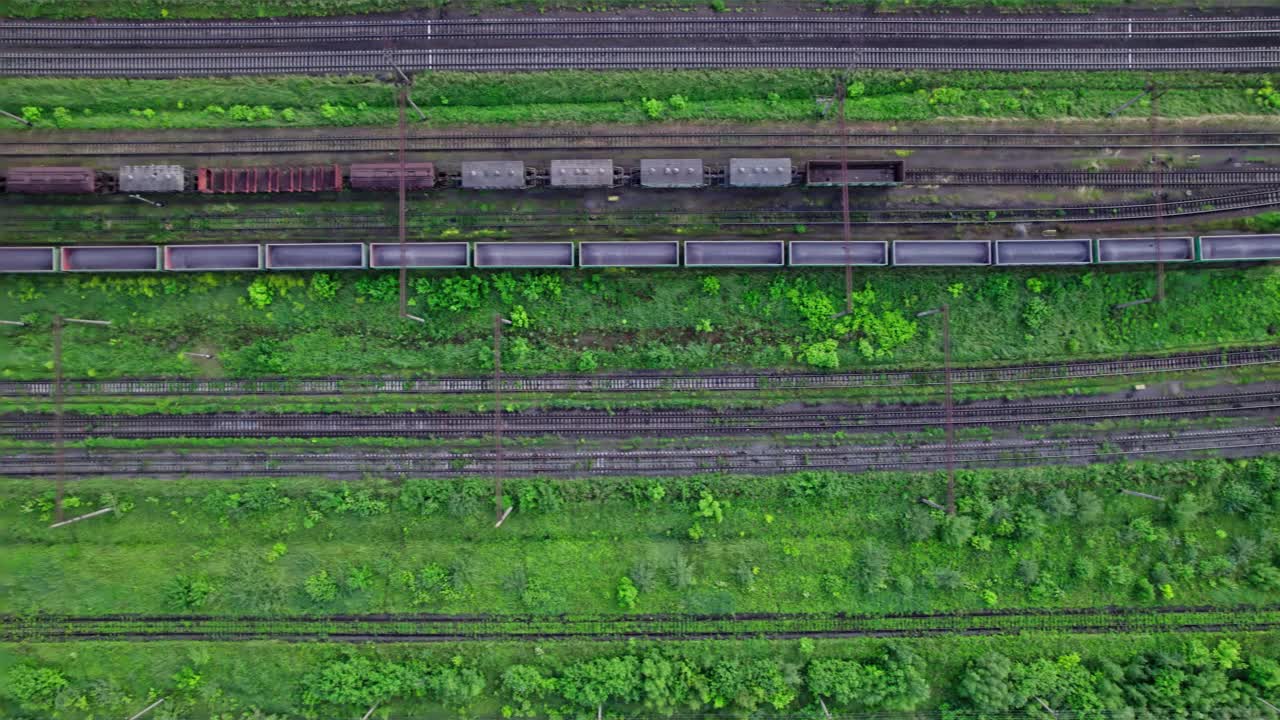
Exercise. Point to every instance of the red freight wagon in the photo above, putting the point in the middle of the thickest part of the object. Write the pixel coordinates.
(77, 180)
(316, 178)
(386, 176)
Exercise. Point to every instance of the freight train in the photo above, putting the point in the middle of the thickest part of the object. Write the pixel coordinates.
(639, 254)
(472, 175)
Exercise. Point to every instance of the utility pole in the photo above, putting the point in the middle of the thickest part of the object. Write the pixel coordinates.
(842, 92)
(1159, 190)
(20, 119)
(498, 514)
(945, 311)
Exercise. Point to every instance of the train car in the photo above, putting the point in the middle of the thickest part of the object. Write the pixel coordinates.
(386, 176)
(759, 172)
(831, 173)
(671, 173)
(1228, 248)
(111, 258)
(493, 175)
(28, 259)
(50, 180)
(151, 178)
(314, 178)
(581, 173)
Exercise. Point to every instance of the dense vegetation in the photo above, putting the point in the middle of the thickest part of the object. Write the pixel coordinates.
(298, 324)
(1129, 676)
(809, 541)
(624, 97)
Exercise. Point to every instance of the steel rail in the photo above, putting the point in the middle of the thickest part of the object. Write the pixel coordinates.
(14, 33)
(578, 423)
(441, 628)
(373, 227)
(504, 142)
(175, 64)
(650, 382)
(338, 464)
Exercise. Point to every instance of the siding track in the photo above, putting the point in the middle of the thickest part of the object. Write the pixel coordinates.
(450, 628)
(662, 382)
(324, 62)
(264, 33)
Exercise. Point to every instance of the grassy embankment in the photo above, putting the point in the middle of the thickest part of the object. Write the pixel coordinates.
(306, 325)
(804, 542)
(625, 97)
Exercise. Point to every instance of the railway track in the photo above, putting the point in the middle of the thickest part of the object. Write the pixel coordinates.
(456, 628)
(677, 423)
(360, 463)
(334, 226)
(1104, 178)
(325, 62)
(652, 382)
(420, 141)
(400, 30)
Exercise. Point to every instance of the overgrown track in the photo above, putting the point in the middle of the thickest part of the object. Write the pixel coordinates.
(1105, 178)
(449, 628)
(420, 141)
(667, 423)
(263, 33)
(371, 227)
(324, 62)
(757, 459)
(664, 382)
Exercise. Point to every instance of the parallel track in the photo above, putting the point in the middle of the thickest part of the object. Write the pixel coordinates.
(441, 141)
(287, 32)
(453, 628)
(651, 382)
(352, 464)
(372, 227)
(1104, 178)
(674, 423)
(324, 62)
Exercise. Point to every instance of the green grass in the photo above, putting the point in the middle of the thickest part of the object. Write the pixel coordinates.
(209, 679)
(301, 325)
(810, 541)
(452, 99)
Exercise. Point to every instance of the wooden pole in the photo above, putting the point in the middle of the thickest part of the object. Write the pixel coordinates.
(1274, 709)
(13, 322)
(95, 513)
(932, 504)
(825, 711)
(11, 116)
(147, 709)
(1143, 495)
(368, 714)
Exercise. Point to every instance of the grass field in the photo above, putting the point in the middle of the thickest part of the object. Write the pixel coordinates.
(624, 96)
(303, 325)
(806, 542)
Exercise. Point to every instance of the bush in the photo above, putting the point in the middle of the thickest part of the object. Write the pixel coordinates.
(324, 286)
(321, 588)
(187, 593)
(957, 530)
(871, 571)
(35, 687)
(628, 595)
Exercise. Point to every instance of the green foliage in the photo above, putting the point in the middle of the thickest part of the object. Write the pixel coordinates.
(822, 354)
(35, 687)
(321, 588)
(628, 595)
(186, 592)
(324, 286)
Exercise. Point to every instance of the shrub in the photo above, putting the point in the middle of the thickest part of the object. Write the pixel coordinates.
(324, 286)
(185, 592)
(947, 579)
(681, 571)
(321, 588)
(628, 595)
(35, 687)
(587, 361)
(1265, 577)
(1028, 572)
(1059, 506)
(986, 684)
(957, 530)
(1239, 497)
(871, 571)
(822, 354)
(919, 525)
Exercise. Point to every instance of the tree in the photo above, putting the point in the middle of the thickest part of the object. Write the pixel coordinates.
(986, 684)
(35, 687)
(526, 685)
(594, 682)
(456, 686)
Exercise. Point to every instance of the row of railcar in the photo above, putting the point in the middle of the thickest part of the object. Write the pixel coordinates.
(592, 254)
(475, 174)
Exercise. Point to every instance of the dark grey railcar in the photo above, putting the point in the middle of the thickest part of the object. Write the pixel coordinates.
(28, 259)
(151, 178)
(735, 253)
(629, 254)
(420, 255)
(1222, 248)
(1044, 252)
(315, 256)
(941, 252)
(111, 258)
(524, 254)
(212, 257)
(831, 253)
(1136, 250)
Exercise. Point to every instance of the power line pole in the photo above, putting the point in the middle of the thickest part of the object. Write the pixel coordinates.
(1159, 189)
(948, 405)
(842, 92)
